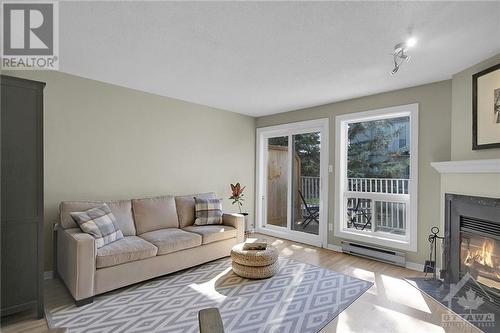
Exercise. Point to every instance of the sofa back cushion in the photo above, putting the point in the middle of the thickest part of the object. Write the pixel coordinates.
(185, 207)
(122, 210)
(155, 213)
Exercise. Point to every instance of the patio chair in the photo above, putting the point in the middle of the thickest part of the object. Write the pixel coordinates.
(312, 212)
(360, 211)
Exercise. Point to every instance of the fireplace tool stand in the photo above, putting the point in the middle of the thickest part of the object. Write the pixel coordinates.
(430, 265)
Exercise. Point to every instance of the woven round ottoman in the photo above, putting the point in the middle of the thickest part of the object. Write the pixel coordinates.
(255, 264)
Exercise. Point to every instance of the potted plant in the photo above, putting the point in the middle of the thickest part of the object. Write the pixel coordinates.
(237, 197)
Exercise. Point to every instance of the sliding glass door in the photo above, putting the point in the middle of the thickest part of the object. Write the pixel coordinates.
(291, 180)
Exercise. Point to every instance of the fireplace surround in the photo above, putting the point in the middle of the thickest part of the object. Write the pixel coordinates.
(472, 241)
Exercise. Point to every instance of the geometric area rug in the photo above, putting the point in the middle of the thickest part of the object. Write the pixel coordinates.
(299, 298)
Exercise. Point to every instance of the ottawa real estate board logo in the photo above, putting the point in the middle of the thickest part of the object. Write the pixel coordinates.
(473, 302)
(30, 37)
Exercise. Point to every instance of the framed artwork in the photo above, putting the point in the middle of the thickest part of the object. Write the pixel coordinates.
(486, 109)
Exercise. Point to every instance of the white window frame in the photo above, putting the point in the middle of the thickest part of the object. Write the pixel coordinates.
(264, 133)
(407, 242)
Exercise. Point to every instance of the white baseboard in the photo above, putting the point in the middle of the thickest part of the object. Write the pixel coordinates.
(48, 275)
(418, 267)
(410, 265)
(414, 266)
(334, 247)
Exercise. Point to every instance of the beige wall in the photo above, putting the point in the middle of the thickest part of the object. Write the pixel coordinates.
(107, 142)
(481, 185)
(486, 185)
(461, 119)
(434, 144)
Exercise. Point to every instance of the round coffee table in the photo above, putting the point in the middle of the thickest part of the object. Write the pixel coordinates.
(255, 264)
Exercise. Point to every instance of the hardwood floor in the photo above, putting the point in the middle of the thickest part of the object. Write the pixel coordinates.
(391, 305)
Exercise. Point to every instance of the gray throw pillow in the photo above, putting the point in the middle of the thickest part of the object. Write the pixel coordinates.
(207, 211)
(100, 223)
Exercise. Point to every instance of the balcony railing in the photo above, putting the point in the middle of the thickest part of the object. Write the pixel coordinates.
(378, 204)
(378, 185)
(384, 201)
(310, 188)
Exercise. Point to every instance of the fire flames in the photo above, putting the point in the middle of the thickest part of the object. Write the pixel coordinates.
(483, 256)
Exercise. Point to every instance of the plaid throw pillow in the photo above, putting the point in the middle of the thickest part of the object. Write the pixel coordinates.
(100, 223)
(207, 211)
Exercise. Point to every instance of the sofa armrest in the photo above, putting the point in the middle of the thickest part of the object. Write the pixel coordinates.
(237, 221)
(76, 255)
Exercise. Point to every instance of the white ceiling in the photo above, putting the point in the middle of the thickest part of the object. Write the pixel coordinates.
(260, 58)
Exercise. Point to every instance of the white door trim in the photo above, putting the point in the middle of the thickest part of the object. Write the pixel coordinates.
(263, 133)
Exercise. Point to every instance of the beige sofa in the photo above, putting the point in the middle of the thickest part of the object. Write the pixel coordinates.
(160, 238)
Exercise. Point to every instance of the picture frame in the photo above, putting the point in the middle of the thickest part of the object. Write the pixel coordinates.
(486, 109)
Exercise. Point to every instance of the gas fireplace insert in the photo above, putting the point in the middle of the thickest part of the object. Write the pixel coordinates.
(472, 242)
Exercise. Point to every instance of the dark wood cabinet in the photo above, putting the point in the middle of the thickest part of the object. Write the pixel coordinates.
(21, 195)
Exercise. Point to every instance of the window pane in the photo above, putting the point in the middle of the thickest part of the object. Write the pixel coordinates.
(378, 168)
(359, 214)
(277, 181)
(306, 180)
(379, 149)
(390, 217)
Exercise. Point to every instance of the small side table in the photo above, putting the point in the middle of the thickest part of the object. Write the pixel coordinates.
(255, 264)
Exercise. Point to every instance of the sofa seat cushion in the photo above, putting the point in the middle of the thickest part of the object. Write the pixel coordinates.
(127, 249)
(172, 240)
(213, 233)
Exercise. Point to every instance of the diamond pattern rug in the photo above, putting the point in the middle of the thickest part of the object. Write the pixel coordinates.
(300, 298)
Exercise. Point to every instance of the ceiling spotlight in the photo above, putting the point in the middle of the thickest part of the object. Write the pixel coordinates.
(411, 42)
(399, 54)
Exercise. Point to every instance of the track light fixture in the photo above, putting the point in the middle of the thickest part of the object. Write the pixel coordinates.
(400, 53)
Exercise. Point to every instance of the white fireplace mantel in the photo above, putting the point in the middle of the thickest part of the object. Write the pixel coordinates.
(469, 166)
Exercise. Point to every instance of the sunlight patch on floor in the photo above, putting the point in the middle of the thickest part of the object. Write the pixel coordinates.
(404, 323)
(286, 252)
(277, 242)
(208, 288)
(400, 291)
(363, 274)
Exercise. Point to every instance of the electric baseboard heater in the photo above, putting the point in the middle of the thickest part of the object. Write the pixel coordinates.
(366, 251)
